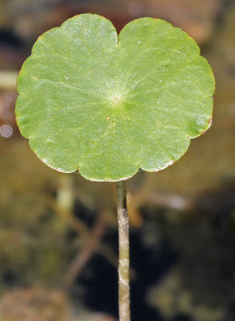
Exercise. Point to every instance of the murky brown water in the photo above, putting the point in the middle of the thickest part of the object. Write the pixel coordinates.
(33, 220)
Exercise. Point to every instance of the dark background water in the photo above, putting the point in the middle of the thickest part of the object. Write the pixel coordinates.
(182, 218)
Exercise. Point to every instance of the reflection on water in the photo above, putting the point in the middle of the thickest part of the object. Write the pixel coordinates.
(6, 131)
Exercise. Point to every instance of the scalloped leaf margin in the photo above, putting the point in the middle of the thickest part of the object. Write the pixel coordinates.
(108, 105)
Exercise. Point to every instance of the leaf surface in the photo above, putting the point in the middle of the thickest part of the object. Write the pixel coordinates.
(108, 105)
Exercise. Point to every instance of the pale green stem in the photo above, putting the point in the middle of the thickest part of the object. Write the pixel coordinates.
(124, 261)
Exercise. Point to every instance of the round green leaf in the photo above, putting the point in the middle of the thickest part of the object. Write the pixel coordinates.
(108, 105)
